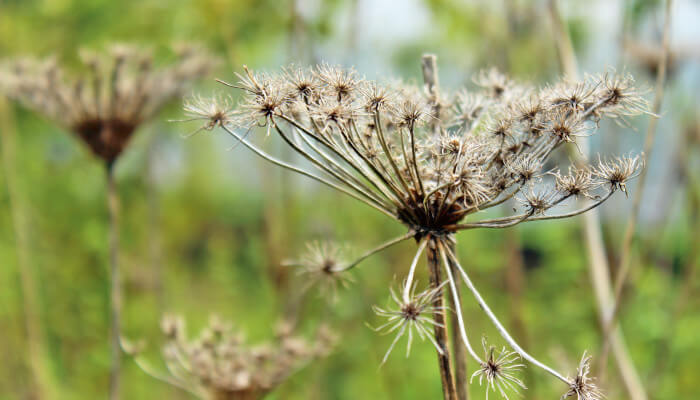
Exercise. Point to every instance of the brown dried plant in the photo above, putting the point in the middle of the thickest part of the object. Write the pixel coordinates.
(103, 105)
(220, 365)
(435, 165)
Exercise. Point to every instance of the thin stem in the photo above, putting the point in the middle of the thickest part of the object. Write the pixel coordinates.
(455, 295)
(411, 271)
(440, 329)
(377, 249)
(282, 164)
(382, 142)
(36, 350)
(501, 329)
(597, 261)
(624, 264)
(512, 221)
(361, 190)
(145, 367)
(115, 284)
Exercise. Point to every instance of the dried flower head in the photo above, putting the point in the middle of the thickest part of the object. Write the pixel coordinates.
(582, 386)
(435, 166)
(493, 82)
(216, 112)
(105, 103)
(411, 312)
(499, 371)
(618, 171)
(369, 140)
(219, 364)
(324, 264)
(578, 182)
(620, 96)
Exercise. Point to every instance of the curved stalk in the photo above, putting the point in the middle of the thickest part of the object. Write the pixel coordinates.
(283, 164)
(409, 279)
(377, 249)
(501, 329)
(458, 306)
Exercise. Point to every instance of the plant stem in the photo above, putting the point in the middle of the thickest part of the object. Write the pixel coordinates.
(115, 284)
(440, 329)
(597, 258)
(459, 351)
(432, 85)
(624, 264)
(501, 329)
(36, 352)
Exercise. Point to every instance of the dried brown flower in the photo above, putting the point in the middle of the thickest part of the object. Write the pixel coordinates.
(105, 103)
(499, 370)
(582, 385)
(219, 364)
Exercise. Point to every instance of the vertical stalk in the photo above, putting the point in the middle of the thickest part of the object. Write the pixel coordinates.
(154, 232)
(458, 349)
(432, 85)
(115, 284)
(440, 329)
(625, 254)
(597, 257)
(36, 352)
(515, 284)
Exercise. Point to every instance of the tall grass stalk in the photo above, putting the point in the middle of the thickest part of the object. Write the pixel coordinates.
(597, 261)
(624, 264)
(42, 386)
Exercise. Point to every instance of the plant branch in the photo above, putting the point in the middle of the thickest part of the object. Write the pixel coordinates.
(501, 329)
(624, 264)
(597, 260)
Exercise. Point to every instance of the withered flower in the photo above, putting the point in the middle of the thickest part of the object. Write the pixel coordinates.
(106, 102)
(582, 386)
(220, 365)
(498, 370)
(412, 312)
(436, 174)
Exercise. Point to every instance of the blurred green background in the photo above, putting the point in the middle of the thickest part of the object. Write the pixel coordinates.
(205, 227)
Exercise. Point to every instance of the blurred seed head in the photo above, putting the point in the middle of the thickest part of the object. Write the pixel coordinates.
(105, 103)
(219, 364)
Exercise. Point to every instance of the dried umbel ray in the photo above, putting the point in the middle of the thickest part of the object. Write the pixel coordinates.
(220, 365)
(113, 94)
(435, 165)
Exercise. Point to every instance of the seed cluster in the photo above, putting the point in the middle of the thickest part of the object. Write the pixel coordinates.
(432, 166)
(219, 364)
(110, 98)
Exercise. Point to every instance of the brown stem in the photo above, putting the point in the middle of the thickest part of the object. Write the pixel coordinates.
(432, 85)
(458, 349)
(448, 383)
(115, 284)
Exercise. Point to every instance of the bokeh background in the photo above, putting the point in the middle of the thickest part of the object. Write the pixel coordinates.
(206, 226)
